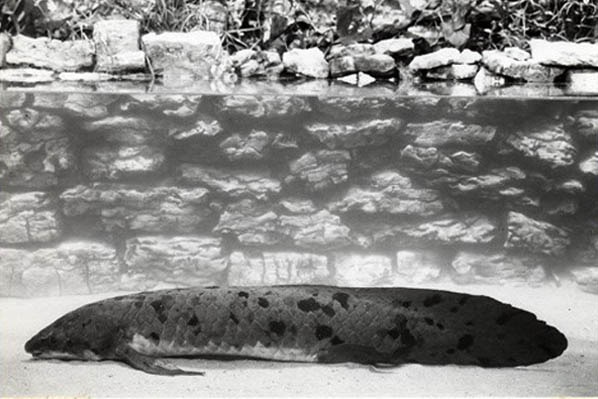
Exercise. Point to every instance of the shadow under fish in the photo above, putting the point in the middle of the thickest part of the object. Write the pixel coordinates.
(374, 326)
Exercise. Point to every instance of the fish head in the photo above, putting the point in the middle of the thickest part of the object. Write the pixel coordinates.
(80, 335)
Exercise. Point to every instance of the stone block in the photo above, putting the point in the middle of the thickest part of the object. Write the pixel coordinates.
(116, 163)
(42, 52)
(529, 70)
(357, 134)
(442, 57)
(306, 62)
(562, 53)
(320, 170)
(157, 209)
(117, 45)
(535, 236)
(277, 268)
(448, 132)
(180, 261)
(30, 217)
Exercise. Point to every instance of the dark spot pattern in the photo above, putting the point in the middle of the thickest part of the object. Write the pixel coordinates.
(323, 332)
(407, 338)
(394, 333)
(328, 311)
(243, 294)
(465, 342)
(432, 300)
(429, 321)
(160, 310)
(450, 351)
(233, 318)
(469, 323)
(484, 361)
(440, 326)
(308, 305)
(406, 304)
(342, 298)
(454, 309)
(263, 302)
(336, 340)
(193, 321)
(155, 336)
(277, 327)
(463, 300)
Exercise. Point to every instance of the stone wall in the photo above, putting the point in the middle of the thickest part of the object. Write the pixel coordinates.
(128, 192)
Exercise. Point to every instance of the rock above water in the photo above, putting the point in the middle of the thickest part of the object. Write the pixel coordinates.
(320, 170)
(117, 45)
(448, 132)
(394, 47)
(30, 217)
(180, 261)
(235, 183)
(116, 163)
(182, 56)
(469, 57)
(453, 72)
(530, 70)
(535, 236)
(53, 54)
(442, 57)
(272, 268)
(129, 207)
(590, 165)
(358, 270)
(356, 134)
(252, 63)
(389, 192)
(548, 144)
(497, 268)
(563, 53)
(306, 62)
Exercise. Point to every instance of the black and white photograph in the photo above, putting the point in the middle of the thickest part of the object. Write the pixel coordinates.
(298, 198)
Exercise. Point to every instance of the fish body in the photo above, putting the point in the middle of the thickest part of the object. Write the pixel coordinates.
(378, 326)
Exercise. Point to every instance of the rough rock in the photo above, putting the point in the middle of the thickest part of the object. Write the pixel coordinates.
(484, 81)
(117, 45)
(469, 57)
(529, 71)
(358, 270)
(550, 144)
(442, 57)
(125, 129)
(129, 207)
(181, 261)
(235, 183)
(115, 163)
(376, 65)
(272, 268)
(28, 217)
(582, 81)
(52, 54)
(426, 158)
(359, 57)
(351, 50)
(182, 56)
(395, 46)
(585, 124)
(35, 150)
(307, 62)
(250, 147)
(389, 192)
(356, 134)
(79, 104)
(73, 267)
(26, 75)
(535, 236)
(517, 54)
(11, 99)
(419, 266)
(342, 66)
(204, 126)
(252, 63)
(250, 223)
(321, 230)
(452, 229)
(590, 165)
(263, 106)
(495, 184)
(448, 132)
(320, 170)
(497, 268)
(586, 278)
(298, 205)
(349, 107)
(563, 53)
(453, 72)
(5, 44)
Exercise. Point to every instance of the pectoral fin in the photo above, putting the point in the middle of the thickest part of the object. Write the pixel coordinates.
(149, 364)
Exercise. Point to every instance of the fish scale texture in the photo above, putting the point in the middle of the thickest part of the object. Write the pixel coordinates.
(330, 324)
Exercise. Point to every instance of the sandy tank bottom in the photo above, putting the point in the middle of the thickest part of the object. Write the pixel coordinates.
(574, 373)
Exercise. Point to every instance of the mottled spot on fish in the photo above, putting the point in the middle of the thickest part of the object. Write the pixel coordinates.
(323, 332)
(263, 302)
(342, 298)
(277, 327)
(308, 305)
(193, 321)
(465, 342)
(432, 300)
(328, 311)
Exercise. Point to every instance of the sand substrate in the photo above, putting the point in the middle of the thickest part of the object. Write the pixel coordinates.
(575, 373)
